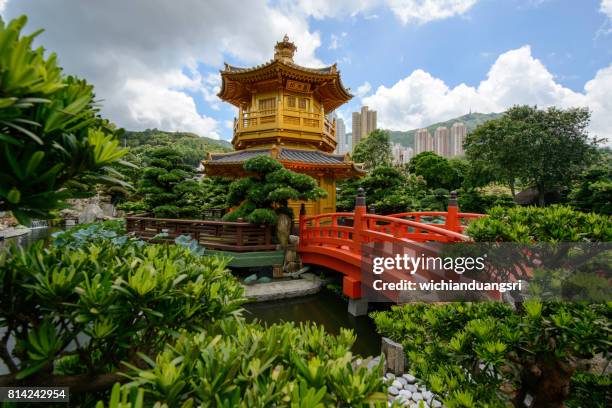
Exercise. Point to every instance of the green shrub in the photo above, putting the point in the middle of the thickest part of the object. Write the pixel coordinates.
(53, 144)
(79, 308)
(535, 224)
(237, 364)
(488, 355)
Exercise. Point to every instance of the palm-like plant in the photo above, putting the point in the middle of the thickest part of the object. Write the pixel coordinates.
(51, 135)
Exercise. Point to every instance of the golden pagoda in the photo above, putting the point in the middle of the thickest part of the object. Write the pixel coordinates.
(284, 111)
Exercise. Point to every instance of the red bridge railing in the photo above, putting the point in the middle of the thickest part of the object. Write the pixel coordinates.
(334, 240)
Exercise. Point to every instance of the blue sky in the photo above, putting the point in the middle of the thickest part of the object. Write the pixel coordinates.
(155, 63)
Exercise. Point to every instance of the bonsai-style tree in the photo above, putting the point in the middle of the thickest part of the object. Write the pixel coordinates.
(51, 136)
(266, 193)
(168, 185)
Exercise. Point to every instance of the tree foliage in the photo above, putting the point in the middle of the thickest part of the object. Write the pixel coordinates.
(52, 140)
(374, 150)
(192, 147)
(592, 190)
(438, 171)
(169, 187)
(542, 148)
(268, 190)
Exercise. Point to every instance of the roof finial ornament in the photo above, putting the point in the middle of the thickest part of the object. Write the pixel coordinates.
(284, 50)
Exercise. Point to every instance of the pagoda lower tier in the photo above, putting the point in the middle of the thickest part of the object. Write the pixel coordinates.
(324, 167)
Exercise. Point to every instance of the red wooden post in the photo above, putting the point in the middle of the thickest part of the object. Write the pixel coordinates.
(351, 285)
(452, 215)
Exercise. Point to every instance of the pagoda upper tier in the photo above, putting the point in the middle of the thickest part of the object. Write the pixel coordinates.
(282, 103)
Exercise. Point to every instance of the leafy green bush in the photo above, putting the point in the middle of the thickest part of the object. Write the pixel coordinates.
(75, 315)
(53, 144)
(236, 364)
(267, 192)
(488, 355)
(535, 224)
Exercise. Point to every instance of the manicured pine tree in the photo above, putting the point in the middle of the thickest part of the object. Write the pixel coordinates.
(265, 194)
(168, 185)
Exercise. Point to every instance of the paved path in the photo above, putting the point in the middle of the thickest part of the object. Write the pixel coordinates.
(261, 292)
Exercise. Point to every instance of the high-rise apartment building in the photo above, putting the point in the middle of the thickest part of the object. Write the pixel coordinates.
(364, 122)
(442, 142)
(344, 141)
(401, 154)
(423, 142)
(458, 133)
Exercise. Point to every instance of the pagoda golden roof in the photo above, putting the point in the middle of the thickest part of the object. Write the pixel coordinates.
(238, 83)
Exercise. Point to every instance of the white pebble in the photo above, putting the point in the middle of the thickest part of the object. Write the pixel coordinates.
(390, 376)
(410, 378)
(436, 404)
(411, 387)
(417, 396)
(392, 390)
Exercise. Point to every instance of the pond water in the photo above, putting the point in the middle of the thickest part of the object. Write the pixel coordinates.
(325, 308)
(35, 234)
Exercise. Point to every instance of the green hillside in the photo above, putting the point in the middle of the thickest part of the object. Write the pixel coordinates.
(471, 120)
(192, 146)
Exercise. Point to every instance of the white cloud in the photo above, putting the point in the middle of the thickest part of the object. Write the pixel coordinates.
(407, 11)
(606, 8)
(161, 107)
(516, 77)
(423, 11)
(363, 89)
(3, 5)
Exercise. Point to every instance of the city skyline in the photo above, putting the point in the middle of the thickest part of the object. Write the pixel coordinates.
(446, 142)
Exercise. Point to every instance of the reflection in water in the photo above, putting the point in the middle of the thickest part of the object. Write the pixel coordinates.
(324, 308)
(24, 240)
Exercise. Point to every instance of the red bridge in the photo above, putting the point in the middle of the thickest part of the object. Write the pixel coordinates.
(335, 240)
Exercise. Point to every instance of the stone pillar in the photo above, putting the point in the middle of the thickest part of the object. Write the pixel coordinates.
(358, 307)
(395, 358)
